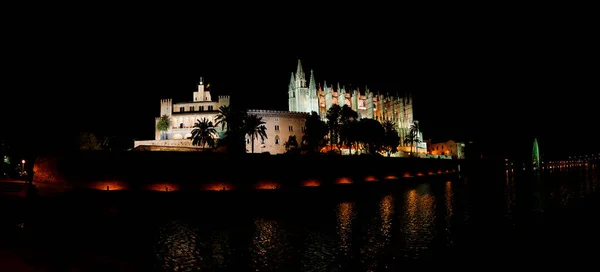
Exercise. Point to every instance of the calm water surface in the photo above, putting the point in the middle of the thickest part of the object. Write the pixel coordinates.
(511, 215)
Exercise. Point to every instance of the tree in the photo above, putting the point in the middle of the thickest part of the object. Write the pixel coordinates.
(224, 116)
(413, 137)
(87, 141)
(348, 119)
(204, 133)
(291, 143)
(109, 143)
(234, 136)
(314, 133)
(163, 125)
(333, 120)
(391, 139)
(371, 133)
(255, 128)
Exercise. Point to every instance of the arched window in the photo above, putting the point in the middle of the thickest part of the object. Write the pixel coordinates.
(277, 139)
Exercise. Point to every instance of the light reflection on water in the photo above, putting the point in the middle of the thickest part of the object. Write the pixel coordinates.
(419, 219)
(510, 194)
(359, 231)
(177, 248)
(345, 215)
(269, 246)
(449, 197)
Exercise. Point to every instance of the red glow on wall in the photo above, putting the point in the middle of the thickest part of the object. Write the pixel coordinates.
(217, 186)
(390, 177)
(370, 178)
(430, 173)
(419, 174)
(440, 172)
(453, 170)
(343, 180)
(109, 185)
(407, 175)
(266, 185)
(163, 187)
(447, 171)
(311, 183)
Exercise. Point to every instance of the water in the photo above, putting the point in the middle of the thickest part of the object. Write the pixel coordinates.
(514, 216)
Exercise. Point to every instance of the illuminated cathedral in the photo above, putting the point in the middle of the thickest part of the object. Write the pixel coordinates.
(319, 98)
(303, 99)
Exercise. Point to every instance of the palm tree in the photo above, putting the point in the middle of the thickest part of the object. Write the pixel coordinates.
(223, 117)
(412, 137)
(391, 139)
(163, 125)
(255, 128)
(333, 120)
(203, 133)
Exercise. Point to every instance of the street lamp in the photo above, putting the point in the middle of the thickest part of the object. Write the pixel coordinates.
(22, 167)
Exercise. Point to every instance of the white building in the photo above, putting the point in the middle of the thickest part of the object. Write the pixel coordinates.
(182, 117)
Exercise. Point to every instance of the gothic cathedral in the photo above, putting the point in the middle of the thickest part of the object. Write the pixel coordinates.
(395, 108)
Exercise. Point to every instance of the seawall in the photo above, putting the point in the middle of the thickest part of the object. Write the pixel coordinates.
(219, 171)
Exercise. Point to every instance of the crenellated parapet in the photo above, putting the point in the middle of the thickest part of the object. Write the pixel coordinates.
(278, 112)
(223, 100)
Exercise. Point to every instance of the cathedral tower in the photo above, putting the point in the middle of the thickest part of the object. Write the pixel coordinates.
(299, 97)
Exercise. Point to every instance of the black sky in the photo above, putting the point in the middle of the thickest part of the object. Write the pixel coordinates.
(503, 78)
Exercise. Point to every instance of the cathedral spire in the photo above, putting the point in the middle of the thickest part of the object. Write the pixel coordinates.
(300, 77)
(299, 71)
(292, 82)
(312, 86)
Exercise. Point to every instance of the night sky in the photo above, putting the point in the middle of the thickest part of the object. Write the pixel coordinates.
(501, 82)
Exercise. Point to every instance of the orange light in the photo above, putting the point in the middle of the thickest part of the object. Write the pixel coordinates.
(343, 180)
(419, 174)
(390, 177)
(217, 186)
(163, 187)
(370, 178)
(109, 185)
(407, 175)
(266, 185)
(311, 183)
(430, 173)
(440, 172)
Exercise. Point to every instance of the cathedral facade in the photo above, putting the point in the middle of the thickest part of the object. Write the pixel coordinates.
(303, 97)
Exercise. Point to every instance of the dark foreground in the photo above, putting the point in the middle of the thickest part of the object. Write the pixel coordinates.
(478, 218)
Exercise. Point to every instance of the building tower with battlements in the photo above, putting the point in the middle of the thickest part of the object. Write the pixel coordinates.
(183, 115)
